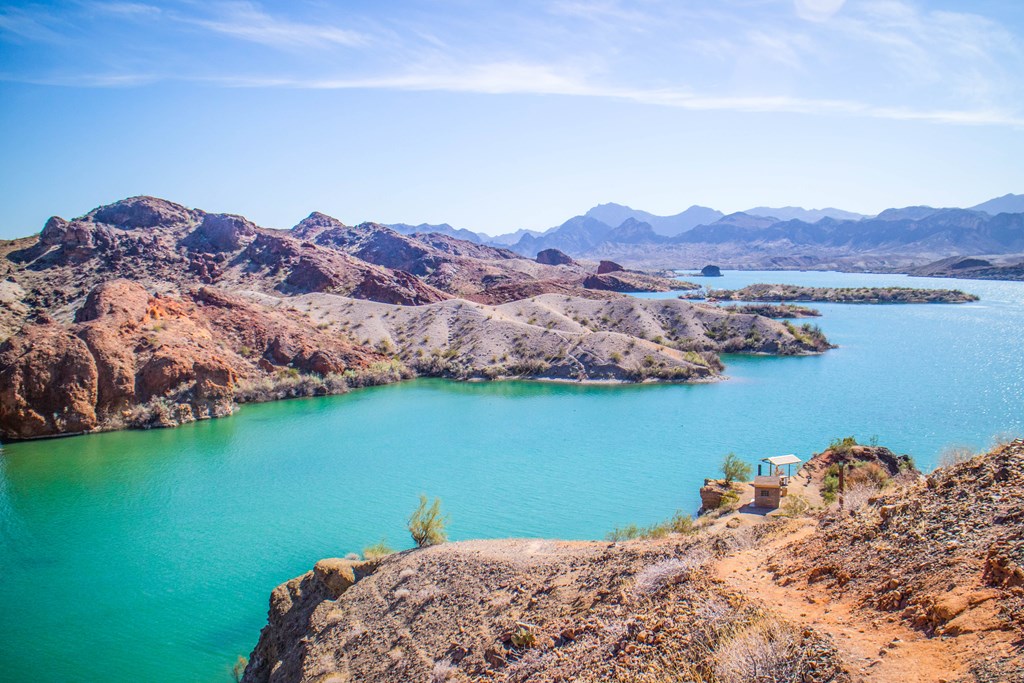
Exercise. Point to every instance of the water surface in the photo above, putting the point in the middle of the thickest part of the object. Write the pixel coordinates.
(150, 555)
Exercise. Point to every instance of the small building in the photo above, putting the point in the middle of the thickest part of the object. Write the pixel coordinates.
(770, 484)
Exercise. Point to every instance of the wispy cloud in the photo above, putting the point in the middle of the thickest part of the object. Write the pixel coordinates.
(246, 21)
(727, 55)
(34, 25)
(508, 78)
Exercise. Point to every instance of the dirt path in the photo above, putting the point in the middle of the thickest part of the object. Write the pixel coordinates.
(876, 646)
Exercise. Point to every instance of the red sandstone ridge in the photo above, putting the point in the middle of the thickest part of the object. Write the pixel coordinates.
(182, 356)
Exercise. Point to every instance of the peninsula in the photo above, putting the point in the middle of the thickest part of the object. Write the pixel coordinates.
(145, 313)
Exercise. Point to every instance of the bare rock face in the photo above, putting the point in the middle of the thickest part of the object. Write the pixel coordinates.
(292, 604)
(608, 267)
(48, 383)
(554, 257)
(54, 232)
(221, 232)
(120, 300)
(711, 494)
(396, 287)
(141, 212)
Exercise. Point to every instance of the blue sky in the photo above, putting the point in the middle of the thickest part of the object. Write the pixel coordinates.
(495, 115)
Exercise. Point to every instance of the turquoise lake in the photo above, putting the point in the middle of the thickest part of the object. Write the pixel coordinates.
(151, 555)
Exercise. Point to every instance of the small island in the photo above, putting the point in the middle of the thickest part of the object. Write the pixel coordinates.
(843, 295)
(775, 311)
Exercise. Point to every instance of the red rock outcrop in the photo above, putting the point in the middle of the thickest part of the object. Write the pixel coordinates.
(48, 383)
(129, 348)
(608, 267)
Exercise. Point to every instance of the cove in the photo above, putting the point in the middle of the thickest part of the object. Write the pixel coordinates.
(151, 555)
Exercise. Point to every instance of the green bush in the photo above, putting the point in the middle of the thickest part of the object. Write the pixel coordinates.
(830, 485)
(679, 523)
(427, 524)
(735, 469)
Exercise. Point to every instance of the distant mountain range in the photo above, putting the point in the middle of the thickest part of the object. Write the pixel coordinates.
(771, 236)
(613, 215)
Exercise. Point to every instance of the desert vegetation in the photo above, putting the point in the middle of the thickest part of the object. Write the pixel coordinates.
(427, 524)
(843, 295)
(679, 523)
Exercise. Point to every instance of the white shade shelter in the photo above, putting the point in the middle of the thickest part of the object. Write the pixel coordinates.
(783, 459)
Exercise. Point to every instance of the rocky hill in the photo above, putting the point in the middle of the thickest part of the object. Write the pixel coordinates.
(529, 610)
(921, 583)
(146, 313)
(136, 359)
(559, 337)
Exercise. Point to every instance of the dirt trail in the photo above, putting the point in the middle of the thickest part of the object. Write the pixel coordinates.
(876, 646)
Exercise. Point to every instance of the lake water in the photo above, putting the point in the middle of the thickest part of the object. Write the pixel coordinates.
(151, 555)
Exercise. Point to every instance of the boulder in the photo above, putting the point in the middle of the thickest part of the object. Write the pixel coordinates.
(554, 257)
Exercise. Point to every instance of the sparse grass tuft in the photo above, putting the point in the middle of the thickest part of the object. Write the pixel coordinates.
(378, 550)
(679, 523)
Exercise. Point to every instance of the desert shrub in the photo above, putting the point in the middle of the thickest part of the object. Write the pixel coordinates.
(795, 505)
(735, 469)
(830, 485)
(869, 474)
(858, 494)
(352, 556)
(729, 499)
(765, 652)
(615, 357)
(842, 445)
(954, 455)
(427, 524)
(442, 671)
(679, 523)
(624, 533)
(524, 638)
(672, 571)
